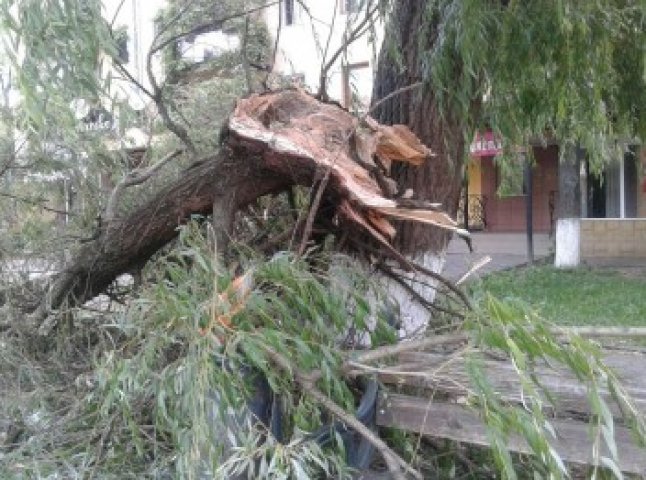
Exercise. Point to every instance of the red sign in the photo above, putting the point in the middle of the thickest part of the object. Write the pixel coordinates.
(486, 145)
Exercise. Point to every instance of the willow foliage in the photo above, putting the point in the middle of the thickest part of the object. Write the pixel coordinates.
(570, 69)
(55, 49)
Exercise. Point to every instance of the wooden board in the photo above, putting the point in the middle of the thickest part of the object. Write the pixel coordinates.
(444, 374)
(459, 423)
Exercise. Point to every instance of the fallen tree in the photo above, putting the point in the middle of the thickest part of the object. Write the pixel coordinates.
(270, 142)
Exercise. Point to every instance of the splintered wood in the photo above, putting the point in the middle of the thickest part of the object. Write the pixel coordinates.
(397, 143)
(299, 136)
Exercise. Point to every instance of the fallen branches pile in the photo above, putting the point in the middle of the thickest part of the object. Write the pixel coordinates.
(271, 142)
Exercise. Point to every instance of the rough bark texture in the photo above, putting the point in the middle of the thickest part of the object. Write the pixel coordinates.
(270, 142)
(129, 242)
(440, 179)
(569, 205)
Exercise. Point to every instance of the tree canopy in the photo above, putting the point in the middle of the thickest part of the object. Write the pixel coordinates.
(572, 71)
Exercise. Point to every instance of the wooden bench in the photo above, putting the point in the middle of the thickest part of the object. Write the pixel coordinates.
(441, 410)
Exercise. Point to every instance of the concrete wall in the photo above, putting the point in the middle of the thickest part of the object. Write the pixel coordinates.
(613, 238)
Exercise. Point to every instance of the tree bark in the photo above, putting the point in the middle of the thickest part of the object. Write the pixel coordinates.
(569, 201)
(412, 35)
(568, 230)
(129, 242)
(440, 179)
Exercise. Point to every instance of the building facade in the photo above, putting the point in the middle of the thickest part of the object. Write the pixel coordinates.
(496, 194)
(612, 224)
(612, 228)
(313, 33)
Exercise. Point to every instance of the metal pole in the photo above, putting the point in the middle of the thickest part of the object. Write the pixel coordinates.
(529, 207)
(466, 201)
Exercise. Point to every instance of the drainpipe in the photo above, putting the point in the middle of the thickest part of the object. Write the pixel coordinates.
(583, 174)
(135, 42)
(466, 200)
(622, 189)
(529, 201)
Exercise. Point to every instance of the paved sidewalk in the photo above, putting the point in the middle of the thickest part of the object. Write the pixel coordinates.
(505, 249)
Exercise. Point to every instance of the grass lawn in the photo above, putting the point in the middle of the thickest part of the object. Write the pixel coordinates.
(575, 297)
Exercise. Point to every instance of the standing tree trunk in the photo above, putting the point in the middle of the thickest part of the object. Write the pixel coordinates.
(569, 209)
(413, 36)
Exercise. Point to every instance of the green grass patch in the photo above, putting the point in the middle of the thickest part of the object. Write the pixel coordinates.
(580, 296)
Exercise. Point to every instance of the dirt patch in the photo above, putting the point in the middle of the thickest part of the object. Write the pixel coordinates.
(633, 273)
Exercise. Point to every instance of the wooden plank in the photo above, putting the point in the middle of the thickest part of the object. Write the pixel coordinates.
(461, 424)
(448, 375)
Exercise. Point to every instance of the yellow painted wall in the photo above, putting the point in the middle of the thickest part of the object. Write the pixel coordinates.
(474, 172)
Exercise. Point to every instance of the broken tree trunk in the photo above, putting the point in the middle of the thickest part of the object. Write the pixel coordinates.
(270, 143)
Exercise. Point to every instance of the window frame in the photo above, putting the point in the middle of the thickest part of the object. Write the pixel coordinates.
(347, 70)
(288, 12)
(343, 6)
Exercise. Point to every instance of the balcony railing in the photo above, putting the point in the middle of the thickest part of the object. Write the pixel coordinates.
(475, 218)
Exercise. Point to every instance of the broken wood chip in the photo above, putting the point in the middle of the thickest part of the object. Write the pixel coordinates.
(430, 217)
(381, 224)
(349, 213)
(397, 143)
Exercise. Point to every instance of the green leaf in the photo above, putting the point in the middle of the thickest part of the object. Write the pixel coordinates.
(610, 463)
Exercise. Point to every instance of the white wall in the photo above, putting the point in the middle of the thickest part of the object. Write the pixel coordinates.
(139, 17)
(302, 46)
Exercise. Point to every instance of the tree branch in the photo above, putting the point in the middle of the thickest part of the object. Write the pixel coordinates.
(393, 94)
(327, 46)
(276, 42)
(356, 33)
(245, 60)
(158, 98)
(204, 26)
(424, 343)
(9, 163)
(126, 73)
(429, 306)
(33, 201)
(395, 463)
(445, 282)
(135, 177)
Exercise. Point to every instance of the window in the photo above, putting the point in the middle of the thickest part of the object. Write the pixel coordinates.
(121, 42)
(122, 50)
(289, 12)
(510, 177)
(349, 6)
